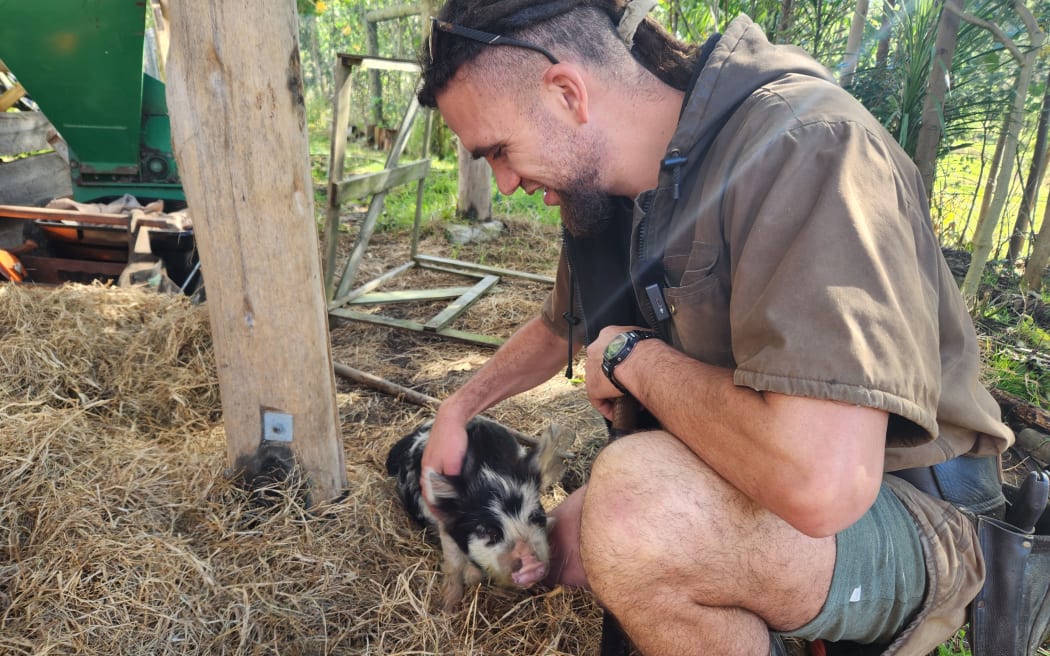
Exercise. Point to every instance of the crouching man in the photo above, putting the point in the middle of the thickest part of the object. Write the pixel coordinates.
(749, 255)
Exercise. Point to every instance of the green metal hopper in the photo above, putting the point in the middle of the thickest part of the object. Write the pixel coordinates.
(82, 62)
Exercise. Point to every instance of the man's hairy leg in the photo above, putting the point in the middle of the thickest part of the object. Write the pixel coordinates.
(686, 562)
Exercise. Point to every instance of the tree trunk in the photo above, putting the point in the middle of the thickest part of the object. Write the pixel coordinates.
(786, 22)
(1034, 181)
(882, 51)
(475, 186)
(853, 43)
(992, 180)
(239, 132)
(1037, 261)
(932, 127)
(318, 66)
(376, 82)
(984, 239)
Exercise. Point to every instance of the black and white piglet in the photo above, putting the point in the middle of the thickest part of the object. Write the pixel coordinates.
(493, 523)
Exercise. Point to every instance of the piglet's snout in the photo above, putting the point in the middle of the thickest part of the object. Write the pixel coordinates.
(526, 568)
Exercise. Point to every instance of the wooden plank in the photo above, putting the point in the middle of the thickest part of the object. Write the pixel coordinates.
(336, 164)
(464, 267)
(368, 62)
(364, 235)
(47, 214)
(85, 218)
(460, 335)
(389, 13)
(410, 295)
(375, 208)
(239, 132)
(372, 284)
(416, 220)
(23, 132)
(461, 304)
(35, 180)
(11, 96)
(367, 184)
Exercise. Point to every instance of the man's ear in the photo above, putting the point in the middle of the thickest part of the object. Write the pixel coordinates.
(568, 82)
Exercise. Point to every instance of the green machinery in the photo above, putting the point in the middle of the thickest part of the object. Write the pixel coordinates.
(81, 61)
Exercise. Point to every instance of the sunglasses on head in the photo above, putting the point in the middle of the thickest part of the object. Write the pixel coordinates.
(486, 38)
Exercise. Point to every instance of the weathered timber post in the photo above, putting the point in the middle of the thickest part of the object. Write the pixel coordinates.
(235, 97)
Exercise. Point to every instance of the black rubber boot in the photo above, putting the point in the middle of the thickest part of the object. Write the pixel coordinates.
(1011, 614)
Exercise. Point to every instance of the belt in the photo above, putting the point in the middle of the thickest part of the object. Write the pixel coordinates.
(971, 484)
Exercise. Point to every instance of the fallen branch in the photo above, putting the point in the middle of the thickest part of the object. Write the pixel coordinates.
(1018, 411)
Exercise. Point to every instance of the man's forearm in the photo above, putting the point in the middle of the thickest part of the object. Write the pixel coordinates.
(816, 463)
(530, 357)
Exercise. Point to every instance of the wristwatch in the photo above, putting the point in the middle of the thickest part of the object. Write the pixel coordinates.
(618, 350)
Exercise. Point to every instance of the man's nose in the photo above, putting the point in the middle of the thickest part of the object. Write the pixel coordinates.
(506, 180)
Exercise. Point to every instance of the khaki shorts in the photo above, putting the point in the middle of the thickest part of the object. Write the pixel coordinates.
(930, 546)
(954, 570)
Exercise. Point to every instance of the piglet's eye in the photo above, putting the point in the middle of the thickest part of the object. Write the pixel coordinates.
(538, 517)
(490, 534)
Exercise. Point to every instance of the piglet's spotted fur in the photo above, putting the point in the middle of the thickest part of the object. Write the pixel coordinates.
(493, 523)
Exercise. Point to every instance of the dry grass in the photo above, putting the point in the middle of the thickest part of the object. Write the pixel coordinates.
(120, 533)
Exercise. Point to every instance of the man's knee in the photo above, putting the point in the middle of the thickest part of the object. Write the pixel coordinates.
(646, 472)
(626, 486)
(639, 497)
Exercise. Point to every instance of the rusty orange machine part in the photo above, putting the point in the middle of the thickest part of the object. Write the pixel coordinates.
(11, 267)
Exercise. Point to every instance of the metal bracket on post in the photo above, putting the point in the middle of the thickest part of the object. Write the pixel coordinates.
(277, 426)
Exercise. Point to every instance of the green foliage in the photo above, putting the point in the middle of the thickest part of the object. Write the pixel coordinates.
(821, 28)
(1016, 344)
(328, 27)
(894, 88)
(956, 646)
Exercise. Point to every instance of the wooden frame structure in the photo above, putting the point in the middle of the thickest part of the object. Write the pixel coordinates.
(377, 185)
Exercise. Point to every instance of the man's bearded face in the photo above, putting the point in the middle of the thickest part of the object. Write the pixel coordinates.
(585, 207)
(585, 210)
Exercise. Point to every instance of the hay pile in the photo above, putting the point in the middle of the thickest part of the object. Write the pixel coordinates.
(120, 534)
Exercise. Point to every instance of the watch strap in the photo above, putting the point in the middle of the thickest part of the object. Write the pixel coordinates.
(609, 364)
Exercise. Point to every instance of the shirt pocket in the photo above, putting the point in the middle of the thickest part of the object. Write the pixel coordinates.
(699, 307)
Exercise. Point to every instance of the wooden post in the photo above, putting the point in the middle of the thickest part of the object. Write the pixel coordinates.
(474, 200)
(238, 120)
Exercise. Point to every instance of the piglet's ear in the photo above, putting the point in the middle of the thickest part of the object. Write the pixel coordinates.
(547, 457)
(440, 488)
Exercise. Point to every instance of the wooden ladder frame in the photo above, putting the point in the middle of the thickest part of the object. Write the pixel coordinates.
(377, 185)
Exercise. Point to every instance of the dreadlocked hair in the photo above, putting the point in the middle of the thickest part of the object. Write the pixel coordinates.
(586, 28)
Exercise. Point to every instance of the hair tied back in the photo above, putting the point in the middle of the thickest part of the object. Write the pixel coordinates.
(633, 15)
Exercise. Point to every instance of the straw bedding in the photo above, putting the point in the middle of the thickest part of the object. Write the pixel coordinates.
(121, 534)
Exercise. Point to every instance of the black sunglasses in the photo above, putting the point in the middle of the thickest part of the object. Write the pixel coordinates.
(487, 38)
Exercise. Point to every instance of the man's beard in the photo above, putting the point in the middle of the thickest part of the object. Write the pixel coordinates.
(585, 211)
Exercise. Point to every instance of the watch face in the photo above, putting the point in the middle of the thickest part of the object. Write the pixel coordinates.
(615, 346)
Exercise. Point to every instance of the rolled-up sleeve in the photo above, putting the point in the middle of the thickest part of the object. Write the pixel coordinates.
(834, 295)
